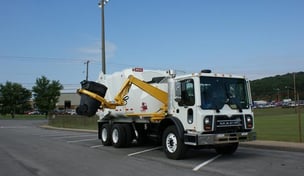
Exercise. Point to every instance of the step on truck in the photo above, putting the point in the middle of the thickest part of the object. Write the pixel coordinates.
(201, 109)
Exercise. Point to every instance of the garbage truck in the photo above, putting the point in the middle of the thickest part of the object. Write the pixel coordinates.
(203, 109)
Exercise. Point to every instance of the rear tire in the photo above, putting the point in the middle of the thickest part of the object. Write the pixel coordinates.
(173, 145)
(128, 134)
(141, 136)
(118, 136)
(106, 135)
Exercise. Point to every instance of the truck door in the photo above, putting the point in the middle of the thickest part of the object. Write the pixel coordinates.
(186, 104)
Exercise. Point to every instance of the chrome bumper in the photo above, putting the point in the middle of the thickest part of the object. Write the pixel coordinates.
(223, 138)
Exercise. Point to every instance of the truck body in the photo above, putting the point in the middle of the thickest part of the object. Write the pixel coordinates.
(201, 109)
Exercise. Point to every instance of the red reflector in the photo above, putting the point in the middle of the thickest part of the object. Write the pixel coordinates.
(138, 69)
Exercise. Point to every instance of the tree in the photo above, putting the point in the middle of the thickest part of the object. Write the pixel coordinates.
(278, 87)
(46, 94)
(14, 98)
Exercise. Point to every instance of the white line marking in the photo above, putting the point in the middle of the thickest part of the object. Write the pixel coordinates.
(205, 163)
(75, 136)
(96, 146)
(82, 140)
(53, 135)
(148, 150)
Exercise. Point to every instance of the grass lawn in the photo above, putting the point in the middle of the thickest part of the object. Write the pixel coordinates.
(74, 121)
(23, 117)
(277, 124)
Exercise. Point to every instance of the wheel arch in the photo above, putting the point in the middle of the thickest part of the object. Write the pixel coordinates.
(172, 121)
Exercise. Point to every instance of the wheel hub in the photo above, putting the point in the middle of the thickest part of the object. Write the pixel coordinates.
(115, 136)
(171, 143)
(104, 134)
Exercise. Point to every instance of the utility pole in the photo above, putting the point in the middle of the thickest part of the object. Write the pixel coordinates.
(101, 4)
(87, 70)
(294, 90)
(299, 121)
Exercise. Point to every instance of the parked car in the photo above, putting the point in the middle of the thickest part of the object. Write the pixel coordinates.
(71, 112)
(34, 113)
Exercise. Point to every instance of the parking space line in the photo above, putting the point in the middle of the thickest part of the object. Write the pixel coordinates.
(144, 151)
(53, 135)
(96, 146)
(205, 163)
(75, 136)
(82, 140)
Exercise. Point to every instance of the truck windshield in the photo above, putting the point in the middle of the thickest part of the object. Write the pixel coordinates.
(216, 92)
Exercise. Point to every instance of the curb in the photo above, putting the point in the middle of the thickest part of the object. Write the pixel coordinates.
(275, 145)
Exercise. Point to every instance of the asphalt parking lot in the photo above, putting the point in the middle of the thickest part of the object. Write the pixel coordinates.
(27, 149)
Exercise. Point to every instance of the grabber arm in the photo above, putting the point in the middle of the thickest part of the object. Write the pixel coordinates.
(103, 102)
(119, 100)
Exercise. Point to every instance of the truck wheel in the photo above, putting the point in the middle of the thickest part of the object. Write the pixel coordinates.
(128, 134)
(141, 136)
(106, 135)
(226, 149)
(118, 136)
(173, 145)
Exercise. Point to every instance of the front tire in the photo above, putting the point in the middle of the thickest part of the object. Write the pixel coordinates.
(173, 145)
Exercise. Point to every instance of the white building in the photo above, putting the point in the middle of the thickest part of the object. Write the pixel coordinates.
(68, 101)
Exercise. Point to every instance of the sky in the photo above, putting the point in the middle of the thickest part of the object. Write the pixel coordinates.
(55, 38)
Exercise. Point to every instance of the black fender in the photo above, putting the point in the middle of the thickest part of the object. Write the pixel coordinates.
(168, 121)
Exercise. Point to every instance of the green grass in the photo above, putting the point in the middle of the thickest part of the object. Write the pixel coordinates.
(23, 117)
(74, 121)
(277, 124)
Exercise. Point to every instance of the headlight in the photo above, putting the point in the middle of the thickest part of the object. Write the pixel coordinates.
(208, 123)
(249, 121)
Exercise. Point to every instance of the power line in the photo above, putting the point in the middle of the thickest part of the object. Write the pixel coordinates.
(34, 58)
(69, 60)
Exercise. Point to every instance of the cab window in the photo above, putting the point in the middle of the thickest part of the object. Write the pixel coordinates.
(187, 93)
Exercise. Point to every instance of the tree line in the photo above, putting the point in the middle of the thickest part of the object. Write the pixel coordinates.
(279, 87)
(15, 99)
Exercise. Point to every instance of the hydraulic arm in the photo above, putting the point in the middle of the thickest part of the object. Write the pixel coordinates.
(119, 100)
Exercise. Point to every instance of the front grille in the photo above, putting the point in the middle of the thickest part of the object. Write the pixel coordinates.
(225, 124)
